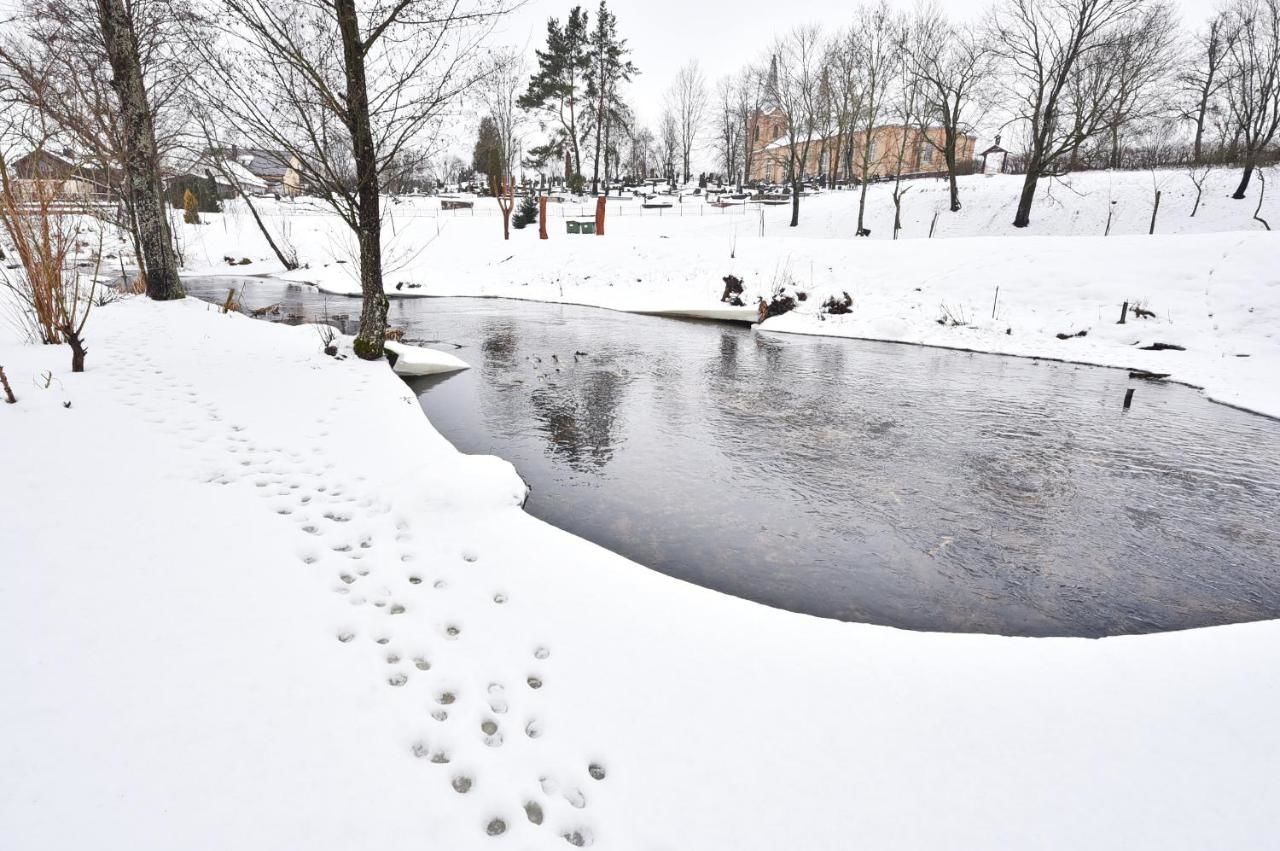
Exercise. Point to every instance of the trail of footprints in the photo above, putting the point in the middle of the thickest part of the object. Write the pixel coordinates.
(370, 560)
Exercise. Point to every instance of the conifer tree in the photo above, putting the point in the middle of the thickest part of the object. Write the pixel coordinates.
(607, 69)
(557, 88)
(487, 156)
(190, 208)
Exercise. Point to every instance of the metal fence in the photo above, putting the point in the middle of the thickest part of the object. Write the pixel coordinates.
(487, 207)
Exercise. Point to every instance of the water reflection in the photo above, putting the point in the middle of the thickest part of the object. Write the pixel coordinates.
(921, 488)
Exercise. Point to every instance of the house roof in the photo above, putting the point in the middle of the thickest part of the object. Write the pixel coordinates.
(269, 165)
(208, 163)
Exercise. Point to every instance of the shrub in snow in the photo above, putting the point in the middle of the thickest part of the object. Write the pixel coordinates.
(837, 306)
(526, 214)
(784, 300)
(732, 294)
(190, 208)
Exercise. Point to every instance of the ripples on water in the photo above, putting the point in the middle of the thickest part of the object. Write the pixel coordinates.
(915, 487)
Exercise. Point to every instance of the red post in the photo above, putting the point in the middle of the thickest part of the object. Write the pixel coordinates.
(600, 202)
(542, 217)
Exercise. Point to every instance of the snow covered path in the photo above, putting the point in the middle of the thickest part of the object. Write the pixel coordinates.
(254, 600)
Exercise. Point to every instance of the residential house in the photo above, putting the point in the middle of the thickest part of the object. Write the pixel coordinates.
(228, 177)
(281, 171)
(66, 174)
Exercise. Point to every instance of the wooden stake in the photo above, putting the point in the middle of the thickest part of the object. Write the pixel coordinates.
(1124, 312)
(994, 302)
(600, 202)
(1128, 398)
(1154, 211)
(542, 217)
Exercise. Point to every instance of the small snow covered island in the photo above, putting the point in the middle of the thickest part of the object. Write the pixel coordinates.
(410, 443)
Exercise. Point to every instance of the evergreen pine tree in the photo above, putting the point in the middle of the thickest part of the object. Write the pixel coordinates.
(558, 86)
(607, 68)
(526, 213)
(487, 157)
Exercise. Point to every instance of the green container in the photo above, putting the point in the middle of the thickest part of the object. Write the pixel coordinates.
(573, 227)
(588, 227)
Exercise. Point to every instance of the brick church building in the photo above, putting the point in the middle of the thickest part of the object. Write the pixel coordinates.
(839, 158)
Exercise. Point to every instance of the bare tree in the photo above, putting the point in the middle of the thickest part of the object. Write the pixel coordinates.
(141, 157)
(640, 153)
(54, 61)
(1202, 81)
(1253, 80)
(501, 93)
(1198, 174)
(951, 65)
(877, 34)
(845, 79)
(796, 89)
(729, 127)
(1138, 63)
(907, 104)
(342, 89)
(668, 149)
(687, 102)
(1054, 55)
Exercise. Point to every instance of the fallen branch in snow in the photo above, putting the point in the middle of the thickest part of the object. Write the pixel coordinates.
(8, 391)
(1262, 190)
(949, 318)
(1062, 336)
(1163, 347)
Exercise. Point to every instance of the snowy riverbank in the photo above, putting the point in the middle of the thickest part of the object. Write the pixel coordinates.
(309, 600)
(1212, 282)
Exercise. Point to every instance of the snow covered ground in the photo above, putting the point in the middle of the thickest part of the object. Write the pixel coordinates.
(253, 600)
(1213, 281)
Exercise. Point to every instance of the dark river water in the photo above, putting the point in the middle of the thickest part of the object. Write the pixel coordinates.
(920, 488)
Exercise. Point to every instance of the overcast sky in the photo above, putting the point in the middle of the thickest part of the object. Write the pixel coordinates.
(721, 34)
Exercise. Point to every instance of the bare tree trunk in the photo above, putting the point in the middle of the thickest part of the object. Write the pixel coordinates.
(795, 202)
(373, 314)
(862, 198)
(78, 350)
(1197, 145)
(949, 154)
(1244, 179)
(141, 160)
(1023, 217)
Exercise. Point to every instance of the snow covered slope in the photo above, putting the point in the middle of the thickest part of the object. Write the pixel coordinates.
(253, 600)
